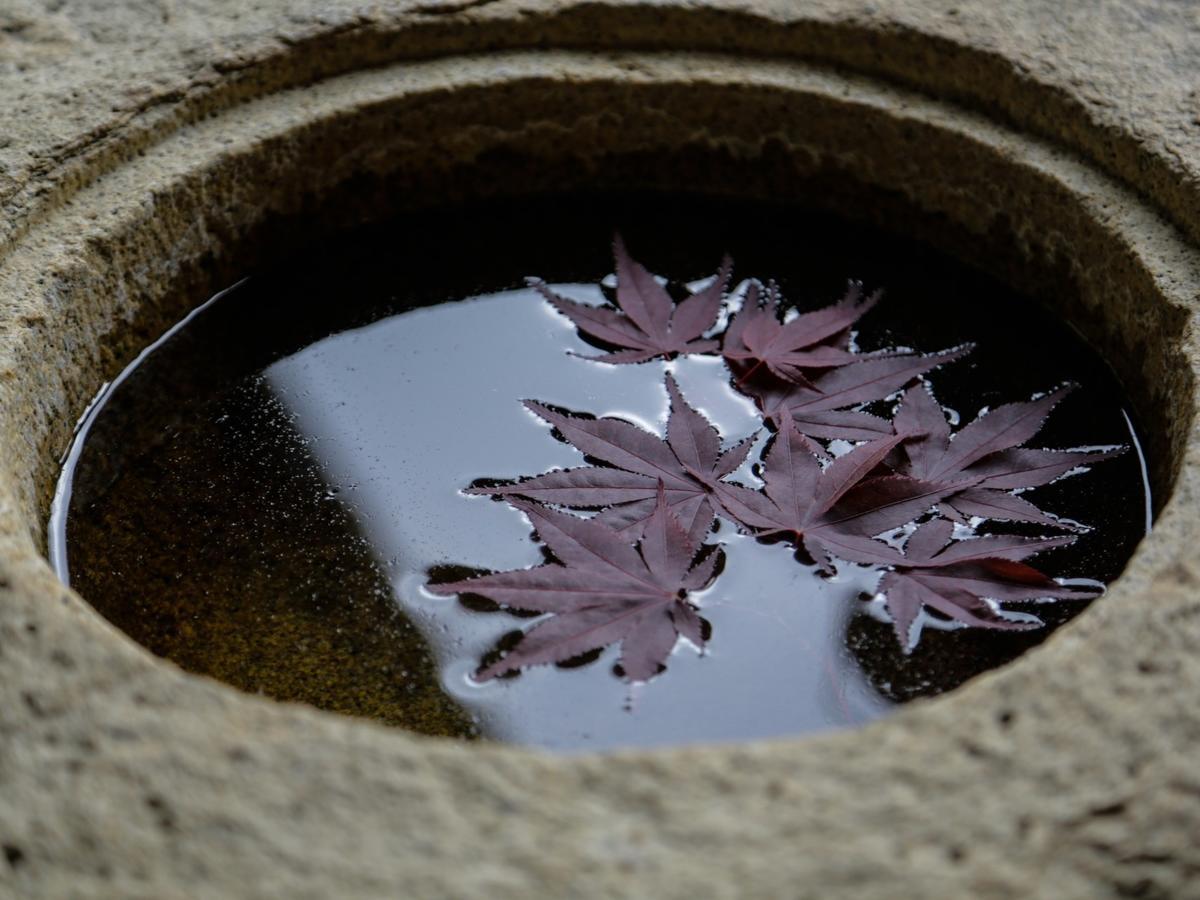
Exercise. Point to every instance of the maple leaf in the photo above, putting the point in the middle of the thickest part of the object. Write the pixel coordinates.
(985, 455)
(756, 337)
(835, 509)
(820, 410)
(603, 590)
(959, 579)
(689, 463)
(649, 323)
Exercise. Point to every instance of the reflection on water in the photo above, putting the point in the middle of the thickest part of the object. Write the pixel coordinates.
(264, 498)
(361, 398)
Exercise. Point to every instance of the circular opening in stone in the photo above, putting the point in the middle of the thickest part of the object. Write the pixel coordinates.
(272, 493)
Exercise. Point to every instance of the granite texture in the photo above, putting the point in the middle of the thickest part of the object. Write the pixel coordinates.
(150, 149)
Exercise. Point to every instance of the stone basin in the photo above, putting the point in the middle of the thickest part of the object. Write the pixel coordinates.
(150, 155)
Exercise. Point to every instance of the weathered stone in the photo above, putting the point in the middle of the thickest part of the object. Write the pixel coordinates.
(151, 150)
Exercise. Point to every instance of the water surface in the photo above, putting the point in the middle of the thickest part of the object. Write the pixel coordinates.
(264, 495)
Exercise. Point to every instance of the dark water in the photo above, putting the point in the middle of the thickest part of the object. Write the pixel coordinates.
(263, 496)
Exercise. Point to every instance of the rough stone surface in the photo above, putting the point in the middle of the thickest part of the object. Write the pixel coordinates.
(146, 145)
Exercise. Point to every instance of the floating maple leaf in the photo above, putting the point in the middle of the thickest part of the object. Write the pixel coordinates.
(959, 579)
(602, 591)
(756, 337)
(835, 509)
(688, 464)
(985, 455)
(820, 410)
(623, 575)
(649, 324)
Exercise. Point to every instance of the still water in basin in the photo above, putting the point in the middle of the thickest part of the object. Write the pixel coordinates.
(264, 496)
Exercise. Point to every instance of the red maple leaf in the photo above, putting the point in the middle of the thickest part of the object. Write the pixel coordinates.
(820, 410)
(985, 455)
(756, 337)
(623, 575)
(835, 509)
(688, 464)
(603, 590)
(648, 323)
(959, 579)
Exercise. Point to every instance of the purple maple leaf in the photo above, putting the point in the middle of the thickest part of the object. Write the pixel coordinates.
(835, 509)
(959, 579)
(603, 590)
(756, 338)
(985, 456)
(820, 410)
(649, 323)
(688, 464)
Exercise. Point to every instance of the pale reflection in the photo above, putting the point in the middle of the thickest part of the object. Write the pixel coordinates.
(403, 413)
